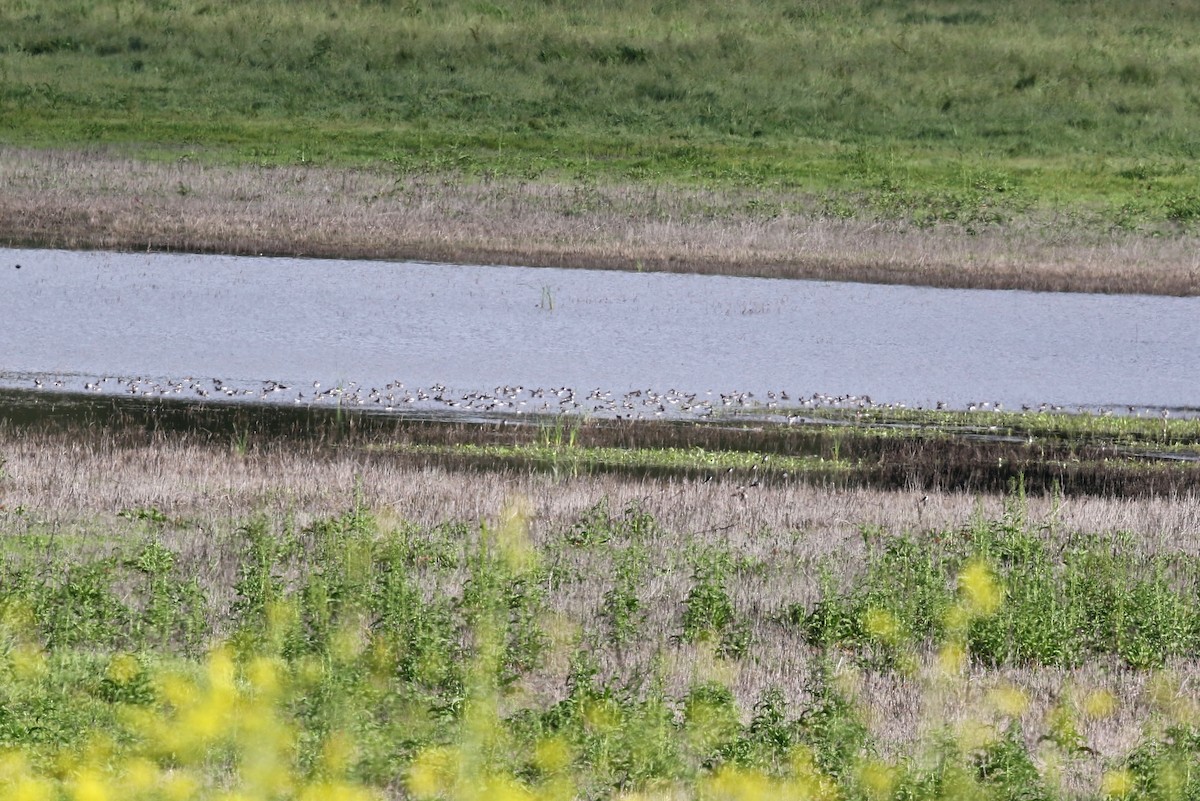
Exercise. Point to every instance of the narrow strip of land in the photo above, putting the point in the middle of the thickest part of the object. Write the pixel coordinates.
(102, 200)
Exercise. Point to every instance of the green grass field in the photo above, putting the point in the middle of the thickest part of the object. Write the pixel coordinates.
(968, 111)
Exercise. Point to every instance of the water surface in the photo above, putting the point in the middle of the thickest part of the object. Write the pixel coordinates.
(452, 332)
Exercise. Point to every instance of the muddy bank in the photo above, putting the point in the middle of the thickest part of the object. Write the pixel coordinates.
(926, 458)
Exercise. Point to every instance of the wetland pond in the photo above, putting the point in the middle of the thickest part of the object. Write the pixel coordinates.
(403, 335)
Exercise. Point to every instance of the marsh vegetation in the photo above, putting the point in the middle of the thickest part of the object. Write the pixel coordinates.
(331, 614)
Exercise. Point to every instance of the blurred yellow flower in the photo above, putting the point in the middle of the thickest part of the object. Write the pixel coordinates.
(951, 658)
(123, 668)
(1116, 784)
(980, 589)
(205, 721)
(337, 753)
(180, 786)
(268, 777)
(335, 791)
(433, 772)
(21, 786)
(974, 734)
(1008, 700)
(176, 689)
(882, 625)
(1099, 704)
(505, 788)
(90, 786)
(807, 781)
(956, 619)
(28, 662)
(221, 669)
(552, 754)
(140, 774)
(12, 763)
(602, 716)
(877, 778)
(512, 535)
(741, 785)
(263, 673)
(29, 788)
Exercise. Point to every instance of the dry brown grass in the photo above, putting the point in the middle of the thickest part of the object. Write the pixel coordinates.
(68, 477)
(100, 200)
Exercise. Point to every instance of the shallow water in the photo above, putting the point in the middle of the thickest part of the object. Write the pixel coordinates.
(450, 331)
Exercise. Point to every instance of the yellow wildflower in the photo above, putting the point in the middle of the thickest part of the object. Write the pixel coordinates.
(602, 717)
(951, 658)
(882, 625)
(123, 668)
(176, 690)
(956, 619)
(512, 535)
(877, 778)
(1008, 700)
(975, 734)
(337, 753)
(140, 774)
(506, 788)
(1116, 784)
(335, 791)
(90, 786)
(552, 754)
(807, 781)
(28, 662)
(12, 763)
(1099, 704)
(263, 674)
(980, 589)
(30, 788)
(221, 669)
(433, 771)
(180, 786)
(741, 785)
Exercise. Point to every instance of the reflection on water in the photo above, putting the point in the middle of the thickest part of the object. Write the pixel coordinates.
(522, 339)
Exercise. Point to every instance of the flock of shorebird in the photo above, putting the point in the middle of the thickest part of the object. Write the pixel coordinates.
(504, 399)
(395, 396)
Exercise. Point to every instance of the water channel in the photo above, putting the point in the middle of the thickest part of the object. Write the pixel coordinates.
(403, 335)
